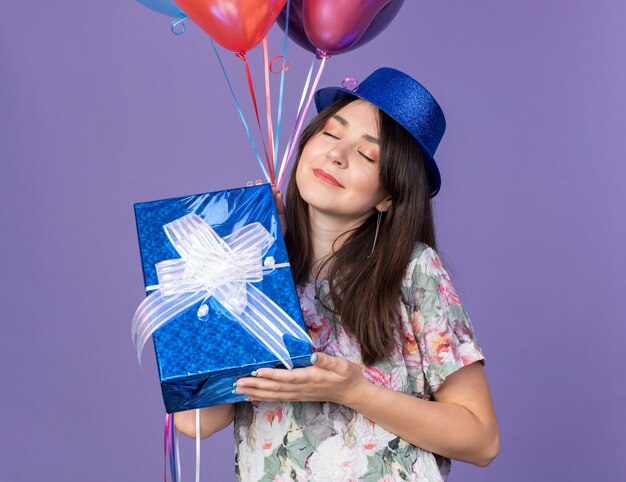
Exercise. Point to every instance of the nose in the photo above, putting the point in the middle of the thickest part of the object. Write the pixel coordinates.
(337, 156)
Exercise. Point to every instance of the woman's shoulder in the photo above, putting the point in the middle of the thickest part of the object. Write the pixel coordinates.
(423, 255)
(419, 249)
(425, 266)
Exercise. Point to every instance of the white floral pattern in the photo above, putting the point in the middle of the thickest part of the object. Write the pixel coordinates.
(322, 442)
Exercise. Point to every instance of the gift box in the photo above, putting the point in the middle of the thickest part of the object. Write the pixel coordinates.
(221, 301)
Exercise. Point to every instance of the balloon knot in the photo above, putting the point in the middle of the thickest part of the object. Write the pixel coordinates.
(321, 54)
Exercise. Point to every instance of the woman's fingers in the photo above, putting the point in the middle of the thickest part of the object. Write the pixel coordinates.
(297, 375)
(326, 370)
(340, 366)
(319, 361)
(261, 395)
(280, 204)
(267, 389)
(280, 209)
(327, 380)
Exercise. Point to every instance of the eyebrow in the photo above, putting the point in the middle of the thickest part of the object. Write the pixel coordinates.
(345, 123)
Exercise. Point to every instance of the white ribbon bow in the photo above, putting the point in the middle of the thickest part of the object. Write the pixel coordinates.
(210, 266)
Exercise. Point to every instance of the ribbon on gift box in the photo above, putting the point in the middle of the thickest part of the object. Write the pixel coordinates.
(221, 268)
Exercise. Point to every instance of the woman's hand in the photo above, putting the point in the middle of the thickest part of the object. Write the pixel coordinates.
(459, 424)
(280, 205)
(280, 208)
(330, 379)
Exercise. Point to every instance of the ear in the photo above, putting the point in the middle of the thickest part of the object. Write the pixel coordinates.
(384, 205)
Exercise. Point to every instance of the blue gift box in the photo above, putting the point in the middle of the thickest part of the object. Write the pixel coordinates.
(217, 262)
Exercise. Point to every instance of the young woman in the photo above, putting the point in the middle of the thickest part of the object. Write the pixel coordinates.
(397, 386)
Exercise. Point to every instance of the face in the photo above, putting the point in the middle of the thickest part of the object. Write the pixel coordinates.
(338, 171)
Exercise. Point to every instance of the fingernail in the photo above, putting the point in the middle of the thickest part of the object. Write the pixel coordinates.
(313, 357)
(254, 373)
(235, 384)
(234, 392)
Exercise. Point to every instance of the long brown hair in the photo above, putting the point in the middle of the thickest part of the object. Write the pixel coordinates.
(365, 290)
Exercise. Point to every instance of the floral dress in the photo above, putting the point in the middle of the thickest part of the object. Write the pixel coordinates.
(323, 441)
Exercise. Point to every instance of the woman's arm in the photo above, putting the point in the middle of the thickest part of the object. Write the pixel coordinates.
(459, 424)
(212, 419)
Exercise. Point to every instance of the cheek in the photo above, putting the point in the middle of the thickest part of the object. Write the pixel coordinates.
(303, 181)
(300, 168)
(311, 150)
(304, 160)
(303, 169)
(368, 184)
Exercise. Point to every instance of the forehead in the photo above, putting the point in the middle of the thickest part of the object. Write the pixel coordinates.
(361, 116)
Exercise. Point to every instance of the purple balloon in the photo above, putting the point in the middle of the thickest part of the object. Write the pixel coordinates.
(337, 36)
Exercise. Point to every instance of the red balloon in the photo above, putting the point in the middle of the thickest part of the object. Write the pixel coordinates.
(238, 25)
(336, 25)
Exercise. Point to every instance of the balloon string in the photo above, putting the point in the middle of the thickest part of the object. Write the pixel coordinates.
(172, 444)
(301, 103)
(243, 120)
(165, 446)
(170, 447)
(197, 445)
(268, 105)
(300, 119)
(177, 449)
(282, 86)
(242, 56)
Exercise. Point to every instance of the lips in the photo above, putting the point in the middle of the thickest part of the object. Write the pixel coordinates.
(327, 178)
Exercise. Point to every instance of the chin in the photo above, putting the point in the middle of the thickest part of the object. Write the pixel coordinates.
(320, 201)
(312, 191)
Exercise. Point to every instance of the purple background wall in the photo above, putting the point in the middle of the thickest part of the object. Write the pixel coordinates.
(100, 107)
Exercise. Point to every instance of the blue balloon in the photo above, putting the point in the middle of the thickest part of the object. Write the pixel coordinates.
(166, 7)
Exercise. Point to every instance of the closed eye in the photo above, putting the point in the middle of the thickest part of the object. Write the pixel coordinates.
(330, 135)
(366, 158)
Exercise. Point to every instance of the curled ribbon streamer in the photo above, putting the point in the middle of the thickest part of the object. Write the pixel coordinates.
(221, 268)
(284, 65)
(350, 83)
(175, 23)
